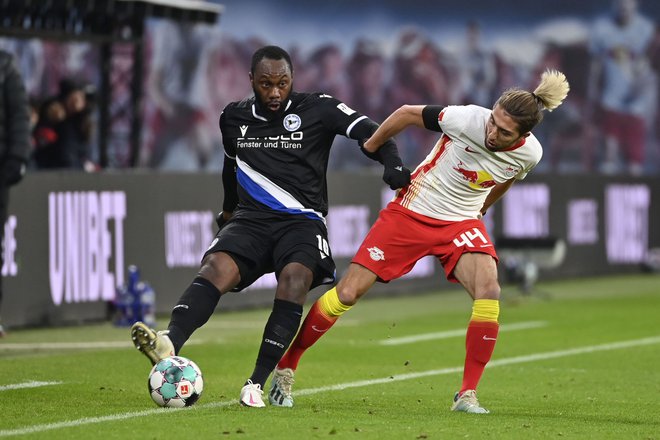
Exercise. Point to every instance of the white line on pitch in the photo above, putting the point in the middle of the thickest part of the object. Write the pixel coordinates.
(71, 345)
(31, 384)
(342, 386)
(457, 333)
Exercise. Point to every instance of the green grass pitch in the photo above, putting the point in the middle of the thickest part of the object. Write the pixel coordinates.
(580, 361)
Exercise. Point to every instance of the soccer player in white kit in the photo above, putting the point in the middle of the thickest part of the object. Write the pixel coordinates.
(479, 155)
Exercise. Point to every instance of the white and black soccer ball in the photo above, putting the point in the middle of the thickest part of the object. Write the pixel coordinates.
(175, 382)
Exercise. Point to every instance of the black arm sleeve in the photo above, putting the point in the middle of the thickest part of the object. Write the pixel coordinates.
(228, 170)
(364, 129)
(430, 115)
(387, 154)
(229, 184)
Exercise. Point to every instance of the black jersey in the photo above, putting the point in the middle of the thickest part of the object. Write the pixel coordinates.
(282, 163)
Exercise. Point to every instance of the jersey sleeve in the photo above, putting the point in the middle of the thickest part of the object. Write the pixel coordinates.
(230, 148)
(338, 116)
(452, 119)
(530, 166)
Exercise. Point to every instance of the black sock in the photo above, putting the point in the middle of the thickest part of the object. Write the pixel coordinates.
(193, 310)
(280, 329)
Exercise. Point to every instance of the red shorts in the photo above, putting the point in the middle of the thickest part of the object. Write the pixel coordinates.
(401, 237)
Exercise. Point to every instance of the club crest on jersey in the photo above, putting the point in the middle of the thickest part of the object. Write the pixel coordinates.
(292, 122)
(376, 254)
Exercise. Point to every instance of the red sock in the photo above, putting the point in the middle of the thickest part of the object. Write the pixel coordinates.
(479, 345)
(314, 326)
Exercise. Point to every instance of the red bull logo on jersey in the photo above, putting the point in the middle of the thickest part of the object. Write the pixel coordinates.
(477, 179)
(511, 172)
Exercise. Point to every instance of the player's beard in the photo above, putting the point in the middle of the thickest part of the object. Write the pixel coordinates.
(263, 110)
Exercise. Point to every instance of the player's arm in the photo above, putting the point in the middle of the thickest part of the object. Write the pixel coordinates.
(424, 116)
(231, 191)
(495, 194)
(17, 134)
(394, 173)
(229, 182)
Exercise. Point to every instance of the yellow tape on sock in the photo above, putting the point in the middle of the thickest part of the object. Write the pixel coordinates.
(485, 310)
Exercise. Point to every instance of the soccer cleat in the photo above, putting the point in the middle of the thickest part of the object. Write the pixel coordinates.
(467, 402)
(280, 388)
(155, 345)
(251, 395)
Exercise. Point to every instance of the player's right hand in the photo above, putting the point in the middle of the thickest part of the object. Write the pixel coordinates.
(396, 177)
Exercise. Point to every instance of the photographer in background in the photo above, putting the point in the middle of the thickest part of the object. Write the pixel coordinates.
(14, 138)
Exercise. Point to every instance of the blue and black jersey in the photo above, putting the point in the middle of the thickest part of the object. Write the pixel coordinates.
(281, 163)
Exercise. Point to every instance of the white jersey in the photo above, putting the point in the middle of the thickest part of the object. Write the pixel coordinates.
(452, 183)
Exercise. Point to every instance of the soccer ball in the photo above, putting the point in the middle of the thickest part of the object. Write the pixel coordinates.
(175, 382)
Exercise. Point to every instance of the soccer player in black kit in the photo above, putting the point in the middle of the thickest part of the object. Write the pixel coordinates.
(277, 145)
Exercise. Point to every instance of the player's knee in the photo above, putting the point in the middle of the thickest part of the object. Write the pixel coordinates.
(293, 283)
(490, 290)
(293, 287)
(348, 294)
(221, 270)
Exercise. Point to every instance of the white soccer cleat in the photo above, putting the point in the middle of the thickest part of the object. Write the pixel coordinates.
(155, 345)
(252, 395)
(467, 402)
(280, 388)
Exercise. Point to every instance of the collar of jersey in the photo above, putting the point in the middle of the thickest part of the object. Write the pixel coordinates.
(254, 111)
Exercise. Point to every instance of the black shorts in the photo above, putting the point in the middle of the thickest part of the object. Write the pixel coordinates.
(261, 243)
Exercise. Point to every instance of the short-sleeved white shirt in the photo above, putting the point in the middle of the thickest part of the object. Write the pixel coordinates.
(452, 183)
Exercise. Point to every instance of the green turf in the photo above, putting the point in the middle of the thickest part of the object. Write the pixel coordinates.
(610, 392)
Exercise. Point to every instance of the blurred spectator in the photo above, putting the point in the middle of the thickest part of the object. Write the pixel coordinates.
(14, 138)
(477, 71)
(34, 106)
(325, 72)
(418, 76)
(74, 133)
(568, 138)
(622, 84)
(178, 88)
(655, 65)
(47, 148)
(224, 63)
(30, 60)
(366, 75)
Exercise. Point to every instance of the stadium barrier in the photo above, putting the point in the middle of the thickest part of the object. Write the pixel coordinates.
(70, 236)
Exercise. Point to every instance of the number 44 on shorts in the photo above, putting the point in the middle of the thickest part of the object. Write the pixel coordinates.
(468, 239)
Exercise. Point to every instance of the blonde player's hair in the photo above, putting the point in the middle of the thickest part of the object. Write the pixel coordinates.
(526, 108)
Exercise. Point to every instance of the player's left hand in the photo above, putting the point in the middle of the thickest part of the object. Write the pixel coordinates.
(396, 177)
